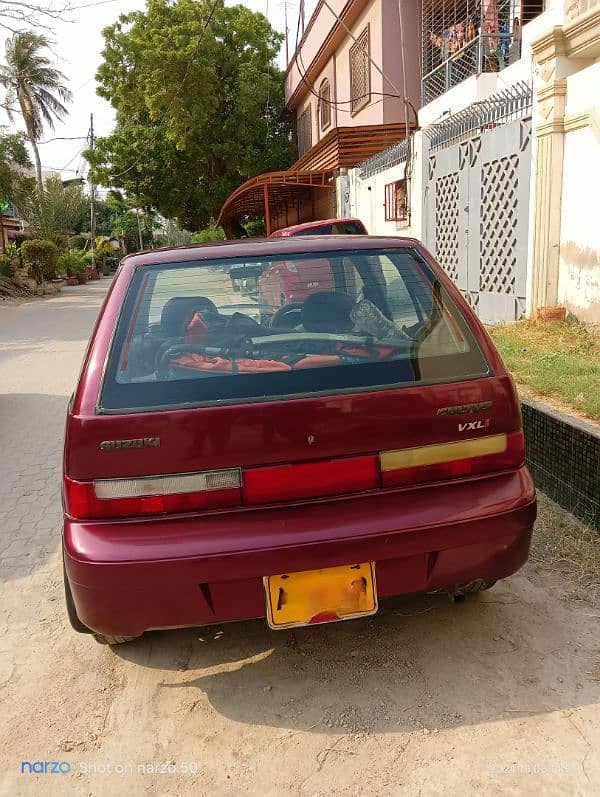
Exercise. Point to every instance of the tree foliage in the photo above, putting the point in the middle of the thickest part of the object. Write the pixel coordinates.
(198, 100)
(13, 160)
(31, 81)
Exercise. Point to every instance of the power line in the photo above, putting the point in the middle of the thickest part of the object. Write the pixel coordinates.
(62, 138)
(79, 151)
(92, 5)
(304, 72)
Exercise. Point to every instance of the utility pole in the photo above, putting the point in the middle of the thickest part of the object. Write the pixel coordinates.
(92, 198)
(137, 213)
(287, 34)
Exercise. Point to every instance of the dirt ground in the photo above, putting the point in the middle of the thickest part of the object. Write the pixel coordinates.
(499, 695)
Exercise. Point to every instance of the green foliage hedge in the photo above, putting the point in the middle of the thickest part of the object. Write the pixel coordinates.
(73, 262)
(41, 259)
(208, 234)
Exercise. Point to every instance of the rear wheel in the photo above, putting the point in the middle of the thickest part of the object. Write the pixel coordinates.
(105, 639)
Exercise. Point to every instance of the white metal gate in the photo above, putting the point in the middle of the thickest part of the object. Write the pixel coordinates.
(477, 217)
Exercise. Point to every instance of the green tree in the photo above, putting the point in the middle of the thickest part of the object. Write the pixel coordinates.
(198, 102)
(31, 81)
(13, 160)
(54, 212)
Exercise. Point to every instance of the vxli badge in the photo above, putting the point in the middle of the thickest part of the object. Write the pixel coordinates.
(471, 426)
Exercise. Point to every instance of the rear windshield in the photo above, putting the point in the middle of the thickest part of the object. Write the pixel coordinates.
(225, 330)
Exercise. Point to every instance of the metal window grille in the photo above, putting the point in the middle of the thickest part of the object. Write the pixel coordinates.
(325, 104)
(360, 73)
(460, 38)
(305, 131)
(396, 206)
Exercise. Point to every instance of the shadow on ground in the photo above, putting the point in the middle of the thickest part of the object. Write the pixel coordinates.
(421, 662)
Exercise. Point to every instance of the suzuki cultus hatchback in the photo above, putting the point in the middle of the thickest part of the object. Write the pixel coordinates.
(222, 463)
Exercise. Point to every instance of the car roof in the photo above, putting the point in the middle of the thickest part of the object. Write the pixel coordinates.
(266, 247)
(309, 225)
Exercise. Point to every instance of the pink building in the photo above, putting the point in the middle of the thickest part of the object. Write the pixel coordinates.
(346, 86)
(333, 88)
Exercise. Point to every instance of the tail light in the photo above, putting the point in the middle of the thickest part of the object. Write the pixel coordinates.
(153, 495)
(449, 460)
(188, 492)
(310, 479)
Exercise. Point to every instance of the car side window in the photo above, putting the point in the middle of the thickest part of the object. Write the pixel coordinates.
(399, 298)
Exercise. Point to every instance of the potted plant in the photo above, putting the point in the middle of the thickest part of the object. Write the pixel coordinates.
(73, 263)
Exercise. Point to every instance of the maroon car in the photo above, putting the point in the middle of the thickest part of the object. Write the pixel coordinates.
(323, 227)
(364, 442)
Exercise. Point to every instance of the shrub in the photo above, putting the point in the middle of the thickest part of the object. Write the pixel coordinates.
(210, 233)
(78, 242)
(255, 228)
(6, 266)
(41, 259)
(73, 262)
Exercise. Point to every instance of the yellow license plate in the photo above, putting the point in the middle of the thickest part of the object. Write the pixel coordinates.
(321, 596)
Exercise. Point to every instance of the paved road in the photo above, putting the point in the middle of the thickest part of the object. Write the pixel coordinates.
(497, 696)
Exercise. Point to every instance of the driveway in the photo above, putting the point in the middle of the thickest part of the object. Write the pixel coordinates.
(498, 695)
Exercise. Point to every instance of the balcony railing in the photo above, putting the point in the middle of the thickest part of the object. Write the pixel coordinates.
(487, 52)
(461, 38)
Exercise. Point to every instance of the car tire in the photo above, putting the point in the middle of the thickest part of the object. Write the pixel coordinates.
(76, 623)
(105, 639)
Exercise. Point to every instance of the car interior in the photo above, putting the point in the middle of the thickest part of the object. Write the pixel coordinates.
(381, 309)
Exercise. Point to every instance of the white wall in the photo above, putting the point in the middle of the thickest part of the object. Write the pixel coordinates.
(368, 196)
(579, 269)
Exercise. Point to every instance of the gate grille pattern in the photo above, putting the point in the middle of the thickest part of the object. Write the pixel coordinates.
(446, 223)
(498, 226)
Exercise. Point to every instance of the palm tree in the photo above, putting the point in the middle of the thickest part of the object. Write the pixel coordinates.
(30, 80)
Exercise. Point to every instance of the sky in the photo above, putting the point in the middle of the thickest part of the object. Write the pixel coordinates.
(78, 53)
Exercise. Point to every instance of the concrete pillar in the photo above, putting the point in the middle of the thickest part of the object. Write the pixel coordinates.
(549, 114)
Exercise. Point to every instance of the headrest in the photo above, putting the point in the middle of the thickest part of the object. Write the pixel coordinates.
(327, 311)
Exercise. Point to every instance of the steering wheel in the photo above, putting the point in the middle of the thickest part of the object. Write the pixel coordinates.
(284, 317)
(287, 316)
(169, 350)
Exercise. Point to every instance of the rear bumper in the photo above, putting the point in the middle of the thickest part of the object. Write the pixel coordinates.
(130, 576)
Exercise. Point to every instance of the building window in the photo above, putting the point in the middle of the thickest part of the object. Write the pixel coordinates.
(396, 205)
(360, 72)
(304, 131)
(325, 105)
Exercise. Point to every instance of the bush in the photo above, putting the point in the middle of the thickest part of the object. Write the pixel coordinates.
(208, 234)
(6, 266)
(41, 259)
(78, 242)
(255, 228)
(73, 262)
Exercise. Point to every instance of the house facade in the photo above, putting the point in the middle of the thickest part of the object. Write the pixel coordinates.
(499, 179)
(353, 88)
